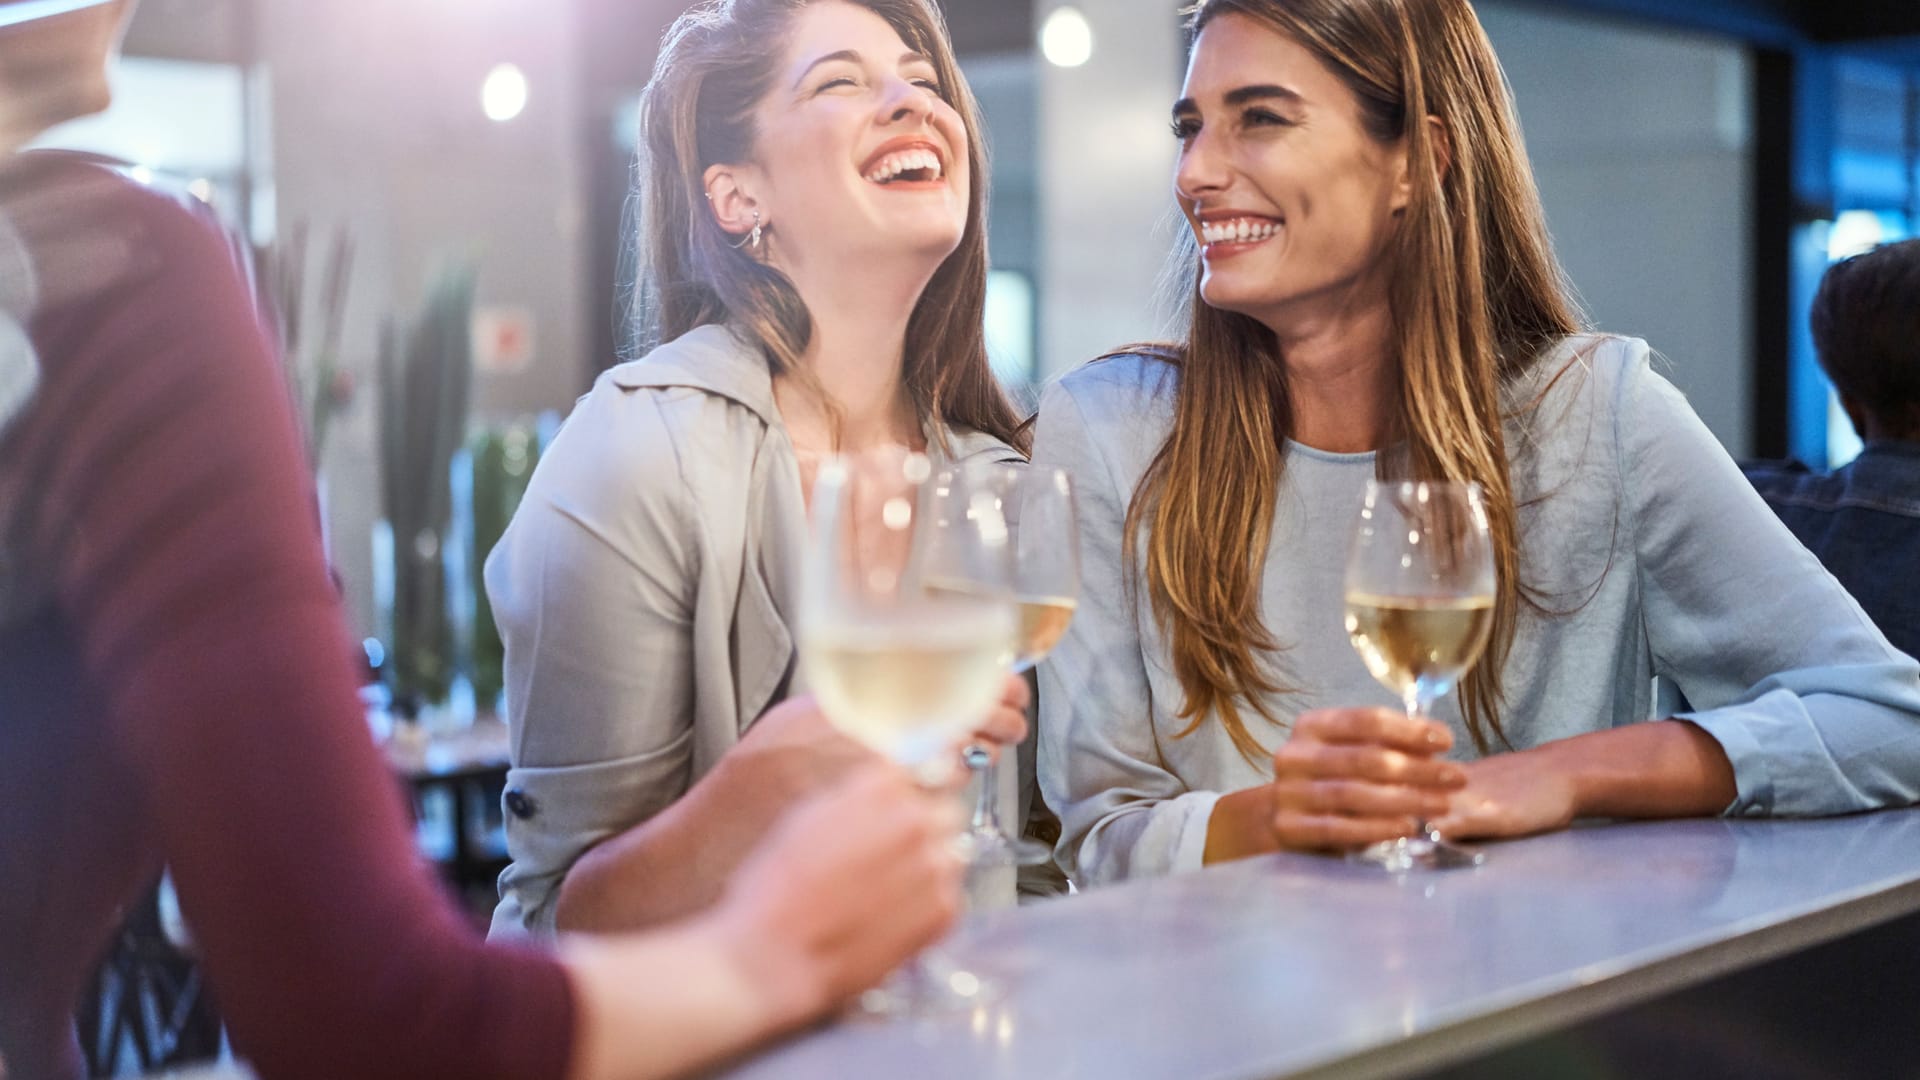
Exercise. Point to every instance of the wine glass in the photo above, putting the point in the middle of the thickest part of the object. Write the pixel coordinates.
(902, 668)
(1038, 505)
(1419, 598)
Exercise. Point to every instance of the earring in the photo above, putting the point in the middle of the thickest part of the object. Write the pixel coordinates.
(752, 239)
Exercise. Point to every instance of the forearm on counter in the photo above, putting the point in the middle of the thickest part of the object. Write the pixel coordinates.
(1662, 769)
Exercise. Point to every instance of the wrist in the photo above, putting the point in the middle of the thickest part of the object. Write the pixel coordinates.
(1241, 825)
(768, 966)
(1562, 765)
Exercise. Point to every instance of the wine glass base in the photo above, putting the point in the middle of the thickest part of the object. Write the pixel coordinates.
(989, 846)
(929, 986)
(1417, 854)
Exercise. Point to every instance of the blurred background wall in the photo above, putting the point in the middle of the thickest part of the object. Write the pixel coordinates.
(1701, 162)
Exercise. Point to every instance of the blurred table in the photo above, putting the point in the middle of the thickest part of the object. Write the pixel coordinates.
(1301, 966)
(467, 766)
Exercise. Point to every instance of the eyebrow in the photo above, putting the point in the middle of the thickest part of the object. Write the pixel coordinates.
(852, 57)
(1242, 95)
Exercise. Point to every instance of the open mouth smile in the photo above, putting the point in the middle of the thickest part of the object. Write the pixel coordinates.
(1223, 236)
(914, 163)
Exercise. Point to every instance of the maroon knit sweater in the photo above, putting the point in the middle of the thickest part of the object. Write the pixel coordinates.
(176, 684)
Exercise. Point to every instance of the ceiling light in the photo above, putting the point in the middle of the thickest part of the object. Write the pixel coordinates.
(1066, 38)
(504, 94)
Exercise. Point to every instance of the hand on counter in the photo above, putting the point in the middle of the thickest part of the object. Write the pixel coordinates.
(1507, 795)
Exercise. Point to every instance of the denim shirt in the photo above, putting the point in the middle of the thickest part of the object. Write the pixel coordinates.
(1863, 521)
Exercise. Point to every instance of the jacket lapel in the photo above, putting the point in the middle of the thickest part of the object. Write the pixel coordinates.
(717, 360)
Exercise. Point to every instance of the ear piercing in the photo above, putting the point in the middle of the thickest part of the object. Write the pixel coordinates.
(753, 238)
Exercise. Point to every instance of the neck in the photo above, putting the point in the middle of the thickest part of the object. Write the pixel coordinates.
(1340, 379)
(26, 117)
(857, 352)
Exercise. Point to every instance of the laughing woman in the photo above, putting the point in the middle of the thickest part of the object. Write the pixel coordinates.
(1373, 295)
(815, 263)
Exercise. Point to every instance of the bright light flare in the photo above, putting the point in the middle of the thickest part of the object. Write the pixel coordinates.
(1066, 38)
(504, 94)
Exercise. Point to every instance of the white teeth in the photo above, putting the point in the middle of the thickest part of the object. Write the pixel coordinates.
(894, 164)
(1238, 231)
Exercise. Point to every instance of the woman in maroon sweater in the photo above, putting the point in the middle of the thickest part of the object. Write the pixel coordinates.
(175, 685)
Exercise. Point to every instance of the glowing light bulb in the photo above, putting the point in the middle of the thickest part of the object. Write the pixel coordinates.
(1066, 38)
(504, 93)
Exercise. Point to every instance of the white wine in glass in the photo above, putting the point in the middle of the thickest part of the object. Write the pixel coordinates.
(1419, 600)
(1418, 646)
(908, 687)
(1042, 622)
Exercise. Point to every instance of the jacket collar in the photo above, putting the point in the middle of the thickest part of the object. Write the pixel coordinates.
(718, 359)
(714, 358)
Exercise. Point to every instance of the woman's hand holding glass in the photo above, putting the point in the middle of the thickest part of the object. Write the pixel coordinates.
(1350, 778)
(1006, 725)
(843, 889)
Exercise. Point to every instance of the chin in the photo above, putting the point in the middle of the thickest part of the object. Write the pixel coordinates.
(1238, 301)
(921, 238)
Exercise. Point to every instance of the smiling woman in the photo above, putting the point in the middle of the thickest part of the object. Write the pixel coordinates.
(1372, 295)
(814, 281)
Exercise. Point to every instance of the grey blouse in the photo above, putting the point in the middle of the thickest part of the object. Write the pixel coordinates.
(1635, 527)
(644, 591)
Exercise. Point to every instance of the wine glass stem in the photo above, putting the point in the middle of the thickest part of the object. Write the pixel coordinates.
(1417, 705)
(986, 805)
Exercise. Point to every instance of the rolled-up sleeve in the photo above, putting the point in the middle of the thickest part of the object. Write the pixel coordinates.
(1817, 713)
(592, 587)
(1122, 812)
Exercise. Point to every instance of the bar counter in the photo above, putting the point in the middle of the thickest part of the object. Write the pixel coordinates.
(1301, 966)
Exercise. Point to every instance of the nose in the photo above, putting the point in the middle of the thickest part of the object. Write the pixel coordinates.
(1202, 169)
(904, 101)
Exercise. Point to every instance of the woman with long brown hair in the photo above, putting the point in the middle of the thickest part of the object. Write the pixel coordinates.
(814, 279)
(1373, 295)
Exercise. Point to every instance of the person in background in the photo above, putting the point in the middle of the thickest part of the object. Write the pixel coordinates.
(813, 256)
(1373, 295)
(176, 686)
(1863, 519)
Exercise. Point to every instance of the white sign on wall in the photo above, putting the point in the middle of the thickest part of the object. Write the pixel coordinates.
(502, 339)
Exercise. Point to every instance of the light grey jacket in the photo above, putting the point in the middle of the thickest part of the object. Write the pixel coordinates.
(644, 590)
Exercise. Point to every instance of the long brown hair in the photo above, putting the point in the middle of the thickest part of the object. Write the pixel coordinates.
(716, 63)
(1476, 296)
